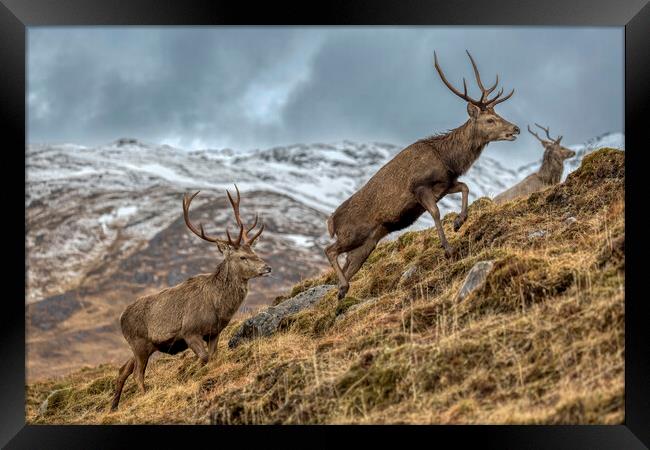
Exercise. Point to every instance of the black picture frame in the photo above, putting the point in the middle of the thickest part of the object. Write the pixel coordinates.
(16, 15)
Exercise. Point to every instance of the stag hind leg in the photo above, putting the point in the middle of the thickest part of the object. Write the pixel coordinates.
(358, 256)
(125, 371)
(142, 354)
(332, 252)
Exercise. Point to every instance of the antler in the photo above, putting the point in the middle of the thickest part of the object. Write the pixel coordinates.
(243, 232)
(199, 232)
(483, 103)
(535, 134)
(557, 141)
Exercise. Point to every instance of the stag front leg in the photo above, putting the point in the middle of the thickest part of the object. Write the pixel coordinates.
(212, 347)
(427, 198)
(462, 217)
(196, 344)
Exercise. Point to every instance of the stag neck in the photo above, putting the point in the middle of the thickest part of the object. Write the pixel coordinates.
(459, 148)
(469, 140)
(550, 172)
(472, 135)
(225, 274)
(229, 290)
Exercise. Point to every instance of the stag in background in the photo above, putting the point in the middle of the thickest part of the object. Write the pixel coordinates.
(195, 311)
(549, 173)
(415, 180)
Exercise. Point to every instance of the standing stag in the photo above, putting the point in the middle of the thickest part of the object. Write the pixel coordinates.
(415, 180)
(196, 310)
(549, 173)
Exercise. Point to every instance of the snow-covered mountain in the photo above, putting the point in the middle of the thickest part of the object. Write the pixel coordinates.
(79, 199)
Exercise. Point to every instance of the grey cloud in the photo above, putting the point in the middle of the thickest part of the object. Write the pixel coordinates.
(259, 87)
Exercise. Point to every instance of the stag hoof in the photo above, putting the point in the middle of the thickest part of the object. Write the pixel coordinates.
(460, 220)
(343, 290)
(450, 251)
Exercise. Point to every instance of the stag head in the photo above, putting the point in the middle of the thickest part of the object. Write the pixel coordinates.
(488, 124)
(238, 253)
(552, 147)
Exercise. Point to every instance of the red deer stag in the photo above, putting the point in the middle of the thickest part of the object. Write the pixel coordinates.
(415, 180)
(196, 310)
(549, 173)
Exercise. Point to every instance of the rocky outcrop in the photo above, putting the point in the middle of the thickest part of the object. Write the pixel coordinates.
(266, 322)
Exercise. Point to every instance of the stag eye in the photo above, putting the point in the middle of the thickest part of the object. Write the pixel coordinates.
(242, 258)
(490, 121)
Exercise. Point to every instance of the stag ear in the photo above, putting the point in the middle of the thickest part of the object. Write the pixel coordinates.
(473, 110)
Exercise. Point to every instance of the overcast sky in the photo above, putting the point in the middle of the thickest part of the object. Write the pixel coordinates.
(258, 87)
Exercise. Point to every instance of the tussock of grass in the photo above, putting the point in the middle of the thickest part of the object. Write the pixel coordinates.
(541, 342)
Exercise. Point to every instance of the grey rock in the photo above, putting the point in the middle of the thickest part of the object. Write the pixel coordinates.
(408, 274)
(475, 279)
(537, 234)
(43, 408)
(266, 322)
(52, 399)
(570, 220)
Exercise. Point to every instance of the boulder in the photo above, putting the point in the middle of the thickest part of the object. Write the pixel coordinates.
(266, 322)
(475, 279)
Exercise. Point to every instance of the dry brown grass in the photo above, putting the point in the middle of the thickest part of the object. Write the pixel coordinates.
(541, 342)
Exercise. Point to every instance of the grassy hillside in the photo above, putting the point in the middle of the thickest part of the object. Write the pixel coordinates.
(541, 342)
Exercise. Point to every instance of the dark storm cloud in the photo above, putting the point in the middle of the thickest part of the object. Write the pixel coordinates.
(259, 87)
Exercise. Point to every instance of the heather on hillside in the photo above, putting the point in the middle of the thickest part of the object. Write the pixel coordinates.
(541, 341)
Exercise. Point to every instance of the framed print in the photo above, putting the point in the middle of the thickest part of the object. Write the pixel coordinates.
(363, 218)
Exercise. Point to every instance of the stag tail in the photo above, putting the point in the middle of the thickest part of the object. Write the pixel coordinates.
(330, 226)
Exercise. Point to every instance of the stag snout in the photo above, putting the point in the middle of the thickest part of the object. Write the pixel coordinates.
(510, 133)
(266, 270)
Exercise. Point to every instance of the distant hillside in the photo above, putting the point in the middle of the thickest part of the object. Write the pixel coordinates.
(542, 341)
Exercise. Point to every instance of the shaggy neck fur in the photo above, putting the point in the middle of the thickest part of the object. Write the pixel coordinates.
(458, 148)
(551, 170)
(232, 286)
